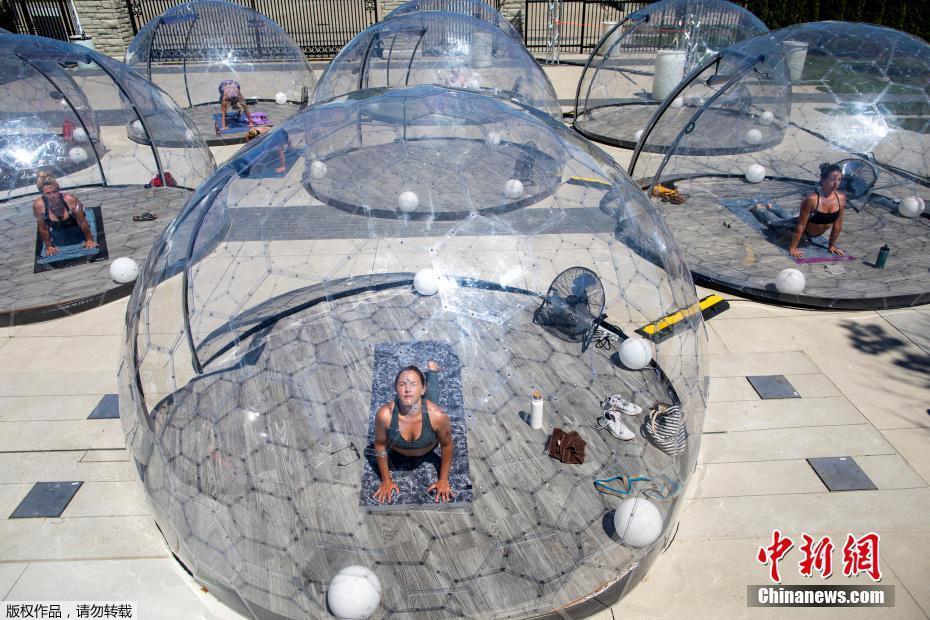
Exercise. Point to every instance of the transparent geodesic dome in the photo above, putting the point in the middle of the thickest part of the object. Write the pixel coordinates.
(441, 48)
(103, 132)
(252, 377)
(858, 98)
(193, 47)
(645, 56)
(472, 8)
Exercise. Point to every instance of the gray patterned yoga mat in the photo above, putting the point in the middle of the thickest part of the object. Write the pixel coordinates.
(414, 475)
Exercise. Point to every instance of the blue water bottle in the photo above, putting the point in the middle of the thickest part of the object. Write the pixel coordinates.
(882, 256)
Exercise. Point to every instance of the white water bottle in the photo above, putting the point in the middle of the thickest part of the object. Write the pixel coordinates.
(536, 410)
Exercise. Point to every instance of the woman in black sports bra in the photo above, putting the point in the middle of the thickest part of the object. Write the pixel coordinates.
(820, 211)
(58, 211)
(413, 425)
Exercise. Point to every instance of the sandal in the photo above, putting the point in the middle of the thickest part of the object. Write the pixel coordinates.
(145, 217)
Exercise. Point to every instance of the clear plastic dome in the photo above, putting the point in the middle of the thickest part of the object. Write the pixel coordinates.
(858, 100)
(197, 49)
(645, 56)
(101, 132)
(473, 8)
(407, 225)
(441, 48)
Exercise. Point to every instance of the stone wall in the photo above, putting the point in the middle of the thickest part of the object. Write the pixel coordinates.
(107, 22)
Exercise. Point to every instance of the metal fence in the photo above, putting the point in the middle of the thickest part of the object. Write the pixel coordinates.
(582, 23)
(319, 27)
(46, 18)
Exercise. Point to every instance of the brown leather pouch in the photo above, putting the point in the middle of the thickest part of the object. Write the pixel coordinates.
(567, 447)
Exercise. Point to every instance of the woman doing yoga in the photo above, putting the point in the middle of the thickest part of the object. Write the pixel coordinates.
(231, 97)
(56, 213)
(821, 210)
(413, 425)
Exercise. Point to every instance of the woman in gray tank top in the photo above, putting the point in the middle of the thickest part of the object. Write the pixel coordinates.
(413, 425)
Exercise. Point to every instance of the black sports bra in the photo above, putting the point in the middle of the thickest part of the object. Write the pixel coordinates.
(65, 220)
(821, 217)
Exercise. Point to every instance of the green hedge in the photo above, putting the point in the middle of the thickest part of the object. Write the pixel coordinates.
(911, 16)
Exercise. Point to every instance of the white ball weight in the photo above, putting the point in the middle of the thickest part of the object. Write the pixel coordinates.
(755, 173)
(318, 170)
(635, 353)
(766, 118)
(408, 201)
(790, 281)
(638, 522)
(78, 155)
(753, 136)
(678, 102)
(354, 593)
(280, 98)
(124, 270)
(513, 189)
(81, 136)
(426, 282)
(912, 206)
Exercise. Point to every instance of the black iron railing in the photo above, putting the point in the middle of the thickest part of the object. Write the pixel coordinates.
(46, 18)
(319, 27)
(582, 23)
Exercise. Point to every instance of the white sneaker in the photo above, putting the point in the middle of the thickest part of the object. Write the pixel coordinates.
(616, 402)
(613, 424)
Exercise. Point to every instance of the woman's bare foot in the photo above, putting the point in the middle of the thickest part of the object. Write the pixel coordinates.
(433, 366)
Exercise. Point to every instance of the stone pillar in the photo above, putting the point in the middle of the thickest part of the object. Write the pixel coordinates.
(386, 6)
(108, 23)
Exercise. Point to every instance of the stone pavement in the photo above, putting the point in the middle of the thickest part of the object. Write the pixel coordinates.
(864, 381)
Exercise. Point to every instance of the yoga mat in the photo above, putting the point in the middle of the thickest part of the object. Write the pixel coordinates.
(414, 474)
(265, 165)
(817, 251)
(235, 123)
(70, 243)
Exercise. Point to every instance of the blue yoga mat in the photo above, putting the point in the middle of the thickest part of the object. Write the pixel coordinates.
(817, 251)
(414, 474)
(70, 244)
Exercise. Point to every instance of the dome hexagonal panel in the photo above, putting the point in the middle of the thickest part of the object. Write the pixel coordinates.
(218, 58)
(642, 59)
(441, 48)
(822, 101)
(472, 8)
(253, 380)
(85, 141)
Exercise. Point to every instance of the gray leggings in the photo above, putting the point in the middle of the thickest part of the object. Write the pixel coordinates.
(780, 221)
(776, 218)
(432, 385)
